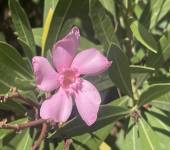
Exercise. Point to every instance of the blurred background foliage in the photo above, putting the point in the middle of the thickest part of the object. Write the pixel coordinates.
(134, 34)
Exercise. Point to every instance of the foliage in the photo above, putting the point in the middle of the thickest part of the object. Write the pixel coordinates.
(134, 35)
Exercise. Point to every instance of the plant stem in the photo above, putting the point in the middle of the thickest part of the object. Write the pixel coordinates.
(3, 125)
(41, 137)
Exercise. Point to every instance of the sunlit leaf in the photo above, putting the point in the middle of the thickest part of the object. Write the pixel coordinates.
(143, 36)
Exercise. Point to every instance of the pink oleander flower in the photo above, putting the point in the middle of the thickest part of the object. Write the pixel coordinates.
(65, 75)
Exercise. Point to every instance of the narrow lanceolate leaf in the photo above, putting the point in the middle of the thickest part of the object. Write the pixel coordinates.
(14, 141)
(158, 9)
(22, 26)
(159, 121)
(136, 69)
(93, 140)
(143, 36)
(129, 137)
(47, 6)
(37, 32)
(26, 141)
(58, 19)
(148, 138)
(162, 102)
(109, 5)
(46, 29)
(119, 71)
(102, 24)
(5, 132)
(26, 47)
(153, 93)
(156, 60)
(12, 59)
(107, 114)
(139, 73)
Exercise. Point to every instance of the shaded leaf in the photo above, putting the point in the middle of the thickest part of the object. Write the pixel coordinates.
(59, 16)
(107, 114)
(102, 25)
(12, 59)
(162, 102)
(22, 26)
(153, 92)
(119, 71)
(37, 32)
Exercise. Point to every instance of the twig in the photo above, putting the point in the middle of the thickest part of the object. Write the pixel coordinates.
(41, 137)
(15, 94)
(119, 92)
(67, 143)
(4, 125)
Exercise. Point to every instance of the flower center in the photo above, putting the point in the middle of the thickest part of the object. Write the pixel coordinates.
(69, 80)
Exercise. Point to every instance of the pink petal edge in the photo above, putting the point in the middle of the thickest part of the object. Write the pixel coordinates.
(45, 75)
(57, 108)
(64, 51)
(88, 101)
(91, 62)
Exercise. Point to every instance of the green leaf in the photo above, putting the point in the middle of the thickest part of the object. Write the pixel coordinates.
(11, 141)
(25, 142)
(109, 5)
(162, 102)
(58, 19)
(92, 141)
(12, 59)
(107, 114)
(122, 101)
(119, 71)
(153, 92)
(157, 60)
(140, 72)
(136, 69)
(22, 26)
(102, 25)
(60, 146)
(5, 132)
(85, 44)
(129, 140)
(159, 121)
(143, 36)
(148, 138)
(102, 82)
(37, 32)
(47, 5)
(2, 37)
(158, 9)
(13, 106)
(26, 48)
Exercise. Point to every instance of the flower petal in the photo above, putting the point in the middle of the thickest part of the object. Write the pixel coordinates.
(45, 75)
(58, 107)
(88, 101)
(63, 51)
(91, 62)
